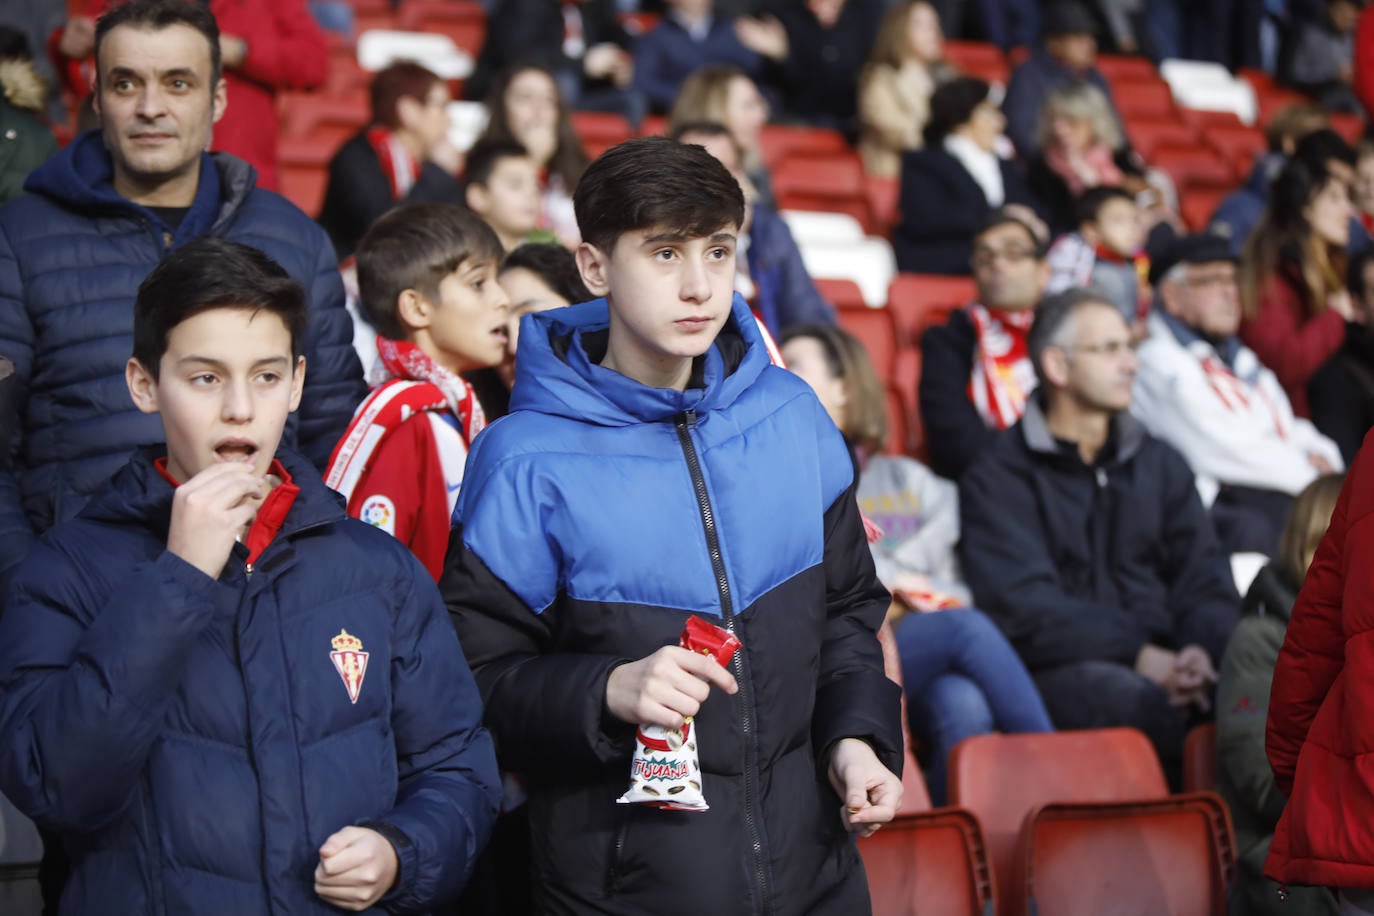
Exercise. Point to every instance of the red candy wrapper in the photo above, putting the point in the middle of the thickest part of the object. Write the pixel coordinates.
(664, 772)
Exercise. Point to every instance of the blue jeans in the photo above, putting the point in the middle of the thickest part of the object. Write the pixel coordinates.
(963, 679)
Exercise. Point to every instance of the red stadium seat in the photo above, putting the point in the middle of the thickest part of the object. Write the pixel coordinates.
(897, 424)
(928, 863)
(1139, 98)
(1198, 204)
(653, 126)
(918, 301)
(778, 141)
(1125, 67)
(843, 294)
(1274, 100)
(1194, 166)
(1200, 758)
(1238, 146)
(462, 20)
(978, 58)
(302, 113)
(1172, 856)
(874, 329)
(883, 195)
(831, 182)
(303, 185)
(1205, 120)
(1148, 134)
(906, 380)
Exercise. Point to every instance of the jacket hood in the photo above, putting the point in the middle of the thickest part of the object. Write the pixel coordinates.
(81, 177)
(1272, 594)
(22, 85)
(557, 372)
(139, 495)
(1035, 429)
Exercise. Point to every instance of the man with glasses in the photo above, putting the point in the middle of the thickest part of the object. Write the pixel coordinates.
(1084, 538)
(1207, 394)
(976, 374)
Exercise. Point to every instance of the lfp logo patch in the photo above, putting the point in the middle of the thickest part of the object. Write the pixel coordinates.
(379, 512)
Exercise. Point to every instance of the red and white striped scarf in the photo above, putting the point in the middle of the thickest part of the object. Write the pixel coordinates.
(1003, 376)
(400, 168)
(418, 384)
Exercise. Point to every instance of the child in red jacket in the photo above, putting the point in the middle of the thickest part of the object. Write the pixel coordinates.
(427, 278)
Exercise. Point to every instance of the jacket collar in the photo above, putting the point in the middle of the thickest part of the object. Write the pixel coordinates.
(1035, 431)
(1226, 349)
(80, 177)
(140, 494)
(557, 371)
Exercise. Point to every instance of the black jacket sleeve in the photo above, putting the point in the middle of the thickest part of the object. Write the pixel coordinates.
(1340, 408)
(955, 433)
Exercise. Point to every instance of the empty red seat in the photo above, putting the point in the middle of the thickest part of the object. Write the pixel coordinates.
(906, 378)
(1198, 204)
(883, 195)
(874, 328)
(1194, 166)
(1171, 856)
(1148, 134)
(462, 20)
(1205, 120)
(928, 863)
(918, 301)
(303, 185)
(653, 126)
(1143, 98)
(1237, 145)
(843, 294)
(777, 141)
(1200, 758)
(301, 113)
(832, 182)
(601, 126)
(1116, 67)
(978, 58)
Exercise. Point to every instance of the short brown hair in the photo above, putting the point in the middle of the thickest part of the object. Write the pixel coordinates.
(1294, 122)
(404, 79)
(414, 247)
(865, 414)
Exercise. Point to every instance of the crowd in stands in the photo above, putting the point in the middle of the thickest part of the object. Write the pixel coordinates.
(1068, 469)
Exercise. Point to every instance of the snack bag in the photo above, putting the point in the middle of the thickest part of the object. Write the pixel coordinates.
(665, 772)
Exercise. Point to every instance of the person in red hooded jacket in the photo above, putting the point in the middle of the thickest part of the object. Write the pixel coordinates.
(1318, 737)
(265, 46)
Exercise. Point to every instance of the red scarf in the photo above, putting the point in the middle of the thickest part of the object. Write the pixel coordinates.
(1095, 166)
(418, 384)
(400, 168)
(271, 514)
(1003, 376)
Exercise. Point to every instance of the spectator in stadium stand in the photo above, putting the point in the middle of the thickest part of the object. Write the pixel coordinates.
(961, 676)
(402, 156)
(1240, 210)
(820, 46)
(525, 106)
(1085, 540)
(266, 46)
(1068, 55)
(976, 372)
(25, 141)
(1081, 146)
(688, 37)
(581, 44)
(1321, 59)
(1341, 392)
(769, 269)
(1244, 778)
(725, 94)
(906, 64)
(1292, 277)
(949, 187)
(1205, 393)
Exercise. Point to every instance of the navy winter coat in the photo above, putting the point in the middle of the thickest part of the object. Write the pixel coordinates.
(1076, 562)
(191, 740)
(595, 518)
(785, 293)
(72, 254)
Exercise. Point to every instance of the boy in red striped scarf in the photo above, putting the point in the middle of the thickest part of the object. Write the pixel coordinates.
(427, 279)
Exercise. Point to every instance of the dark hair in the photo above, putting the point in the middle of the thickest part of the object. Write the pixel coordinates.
(553, 264)
(1321, 146)
(1091, 201)
(482, 159)
(1051, 315)
(14, 44)
(1354, 276)
(865, 421)
(707, 129)
(404, 79)
(416, 246)
(569, 158)
(157, 15)
(655, 181)
(211, 273)
(951, 105)
(1003, 216)
(1284, 238)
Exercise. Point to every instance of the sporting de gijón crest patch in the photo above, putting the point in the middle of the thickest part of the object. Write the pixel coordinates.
(350, 661)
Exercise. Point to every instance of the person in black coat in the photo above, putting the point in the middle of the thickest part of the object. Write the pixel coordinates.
(1340, 394)
(403, 156)
(1084, 538)
(949, 188)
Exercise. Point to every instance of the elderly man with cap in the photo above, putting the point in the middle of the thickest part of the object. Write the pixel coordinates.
(1069, 56)
(1207, 394)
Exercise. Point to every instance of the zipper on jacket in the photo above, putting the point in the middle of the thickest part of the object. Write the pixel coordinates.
(684, 422)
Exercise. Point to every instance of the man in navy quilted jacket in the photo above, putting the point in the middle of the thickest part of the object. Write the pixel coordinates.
(220, 692)
(99, 216)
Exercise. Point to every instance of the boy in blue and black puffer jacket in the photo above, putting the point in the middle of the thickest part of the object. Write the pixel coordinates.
(222, 693)
(656, 465)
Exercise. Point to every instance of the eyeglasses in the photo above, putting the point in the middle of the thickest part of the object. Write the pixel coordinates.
(984, 257)
(1107, 347)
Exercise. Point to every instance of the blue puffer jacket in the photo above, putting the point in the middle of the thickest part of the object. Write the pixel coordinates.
(595, 518)
(72, 254)
(192, 741)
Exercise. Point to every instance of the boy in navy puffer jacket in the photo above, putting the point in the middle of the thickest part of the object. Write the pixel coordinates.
(655, 465)
(222, 693)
